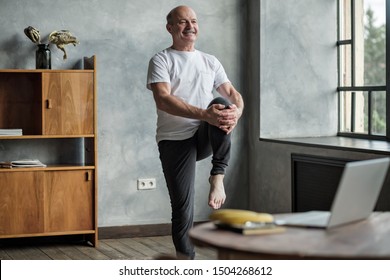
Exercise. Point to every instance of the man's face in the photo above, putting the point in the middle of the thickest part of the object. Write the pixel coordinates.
(184, 27)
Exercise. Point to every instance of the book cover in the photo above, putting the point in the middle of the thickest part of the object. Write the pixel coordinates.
(11, 132)
(22, 163)
(252, 228)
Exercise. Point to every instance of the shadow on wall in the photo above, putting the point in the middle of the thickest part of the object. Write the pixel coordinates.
(14, 43)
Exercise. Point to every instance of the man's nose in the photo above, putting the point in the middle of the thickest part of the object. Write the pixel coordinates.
(189, 25)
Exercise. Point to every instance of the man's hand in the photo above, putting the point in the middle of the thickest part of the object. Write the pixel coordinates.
(225, 118)
(228, 118)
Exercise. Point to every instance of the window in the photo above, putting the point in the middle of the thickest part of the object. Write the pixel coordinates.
(362, 47)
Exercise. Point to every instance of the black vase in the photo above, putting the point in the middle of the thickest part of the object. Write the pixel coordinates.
(43, 57)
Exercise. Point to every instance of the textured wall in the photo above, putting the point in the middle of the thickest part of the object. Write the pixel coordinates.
(296, 94)
(298, 68)
(124, 35)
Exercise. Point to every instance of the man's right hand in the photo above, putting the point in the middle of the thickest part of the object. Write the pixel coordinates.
(222, 117)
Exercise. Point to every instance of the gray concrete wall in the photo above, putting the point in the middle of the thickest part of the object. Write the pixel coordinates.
(298, 68)
(296, 95)
(124, 35)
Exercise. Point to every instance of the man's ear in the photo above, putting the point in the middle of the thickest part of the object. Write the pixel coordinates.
(169, 27)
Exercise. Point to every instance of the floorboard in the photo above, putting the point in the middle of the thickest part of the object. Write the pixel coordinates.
(109, 251)
(54, 253)
(93, 253)
(125, 250)
(145, 251)
(73, 252)
(157, 247)
(139, 248)
(4, 255)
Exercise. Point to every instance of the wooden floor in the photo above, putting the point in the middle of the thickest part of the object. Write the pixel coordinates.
(139, 248)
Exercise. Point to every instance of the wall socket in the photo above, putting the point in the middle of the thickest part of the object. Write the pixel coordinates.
(146, 184)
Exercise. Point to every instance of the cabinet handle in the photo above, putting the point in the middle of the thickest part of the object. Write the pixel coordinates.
(88, 176)
(49, 104)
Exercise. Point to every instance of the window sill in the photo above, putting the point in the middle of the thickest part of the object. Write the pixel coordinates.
(337, 142)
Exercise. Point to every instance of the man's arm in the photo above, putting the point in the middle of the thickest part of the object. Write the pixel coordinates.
(170, 104)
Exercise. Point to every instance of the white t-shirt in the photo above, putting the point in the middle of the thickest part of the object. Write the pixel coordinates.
(192, 77)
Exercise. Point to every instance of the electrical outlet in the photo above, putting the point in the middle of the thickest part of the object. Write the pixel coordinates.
(146, 184)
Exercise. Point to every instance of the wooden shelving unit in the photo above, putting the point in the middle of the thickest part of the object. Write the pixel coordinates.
(60, 199)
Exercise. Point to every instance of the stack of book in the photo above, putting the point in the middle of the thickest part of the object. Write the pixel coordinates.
(11, 132)
(23, 163)
(251, 228)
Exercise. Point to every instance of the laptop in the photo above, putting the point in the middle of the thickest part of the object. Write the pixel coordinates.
(355, 199)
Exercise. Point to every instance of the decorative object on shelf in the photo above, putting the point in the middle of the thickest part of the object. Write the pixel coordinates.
(43, 57)
(33, 34)
(59, 38)
(62, 38)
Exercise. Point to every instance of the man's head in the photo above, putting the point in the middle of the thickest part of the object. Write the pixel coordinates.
(182, 24)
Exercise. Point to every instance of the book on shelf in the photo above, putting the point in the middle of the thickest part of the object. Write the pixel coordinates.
(23, 163)
(252, 228)
(11, 132)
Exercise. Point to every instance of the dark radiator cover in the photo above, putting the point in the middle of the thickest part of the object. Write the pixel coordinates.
(315, 180)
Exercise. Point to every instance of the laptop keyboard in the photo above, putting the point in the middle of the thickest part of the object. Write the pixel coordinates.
(311, 218)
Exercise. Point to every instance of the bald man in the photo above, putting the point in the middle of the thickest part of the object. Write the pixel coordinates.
(191, 123)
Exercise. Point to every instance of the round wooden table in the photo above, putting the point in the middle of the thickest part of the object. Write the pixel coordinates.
(367, 239)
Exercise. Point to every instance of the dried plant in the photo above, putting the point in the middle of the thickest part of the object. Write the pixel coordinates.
(59, 38)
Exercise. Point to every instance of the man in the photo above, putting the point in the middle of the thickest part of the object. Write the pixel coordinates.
(191, 125)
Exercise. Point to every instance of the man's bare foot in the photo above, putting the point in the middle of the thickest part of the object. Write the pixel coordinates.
(217, 194)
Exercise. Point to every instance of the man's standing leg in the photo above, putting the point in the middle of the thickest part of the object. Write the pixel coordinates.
(178, 160)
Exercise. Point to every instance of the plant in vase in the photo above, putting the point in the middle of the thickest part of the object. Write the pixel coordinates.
(59, 38)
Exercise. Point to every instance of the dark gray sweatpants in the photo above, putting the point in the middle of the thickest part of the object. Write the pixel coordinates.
(178, 159)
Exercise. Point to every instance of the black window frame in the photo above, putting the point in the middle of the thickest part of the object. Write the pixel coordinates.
(369, 89)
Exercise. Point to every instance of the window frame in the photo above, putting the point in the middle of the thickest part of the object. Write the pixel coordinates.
(369, 89)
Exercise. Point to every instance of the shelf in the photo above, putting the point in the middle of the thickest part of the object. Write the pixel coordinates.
(47, 136)
(58, 167)
(56, 111)
(48, 234)
(45, 71)
(48, 103)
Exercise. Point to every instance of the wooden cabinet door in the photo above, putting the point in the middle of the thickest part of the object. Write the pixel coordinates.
(21, 203)
(68, 103)
(69, 201)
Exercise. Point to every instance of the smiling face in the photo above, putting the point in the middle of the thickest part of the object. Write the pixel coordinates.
(183, 26)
